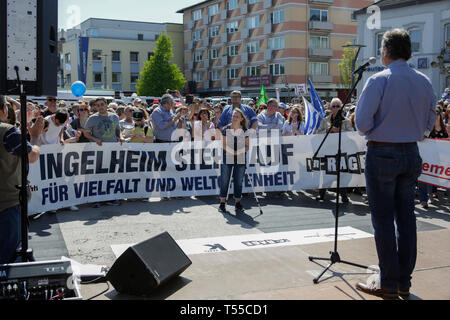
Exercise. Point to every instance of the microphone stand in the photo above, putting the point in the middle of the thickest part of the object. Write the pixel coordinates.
(335, 258)
(24, 252)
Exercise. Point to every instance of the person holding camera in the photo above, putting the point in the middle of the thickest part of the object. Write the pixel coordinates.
(142, 132)
(331, 121)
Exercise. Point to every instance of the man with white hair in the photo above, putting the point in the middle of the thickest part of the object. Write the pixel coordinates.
(331, 122)
(446, 94)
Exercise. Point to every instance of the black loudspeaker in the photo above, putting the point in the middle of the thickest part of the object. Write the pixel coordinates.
(29, 37)
(147, 265)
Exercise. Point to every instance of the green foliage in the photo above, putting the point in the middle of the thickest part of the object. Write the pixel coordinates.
(159, 73)
(345, 66)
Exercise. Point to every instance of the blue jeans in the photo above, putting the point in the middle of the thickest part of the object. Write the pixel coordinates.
(238, 178)
(391, 174)
(10, 233)
(424, 191)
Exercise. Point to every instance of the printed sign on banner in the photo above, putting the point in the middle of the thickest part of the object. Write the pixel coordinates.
(435, 165)
(85, 173)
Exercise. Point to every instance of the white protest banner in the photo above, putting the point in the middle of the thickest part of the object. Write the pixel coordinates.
(436, 165)
(84, 173)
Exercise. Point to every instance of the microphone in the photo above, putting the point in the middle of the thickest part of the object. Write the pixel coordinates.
(363, 68)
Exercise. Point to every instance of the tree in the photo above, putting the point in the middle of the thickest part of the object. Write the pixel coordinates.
(159, 73)
(345, 66)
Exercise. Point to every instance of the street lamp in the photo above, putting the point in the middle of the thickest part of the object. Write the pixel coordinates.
(441, 60)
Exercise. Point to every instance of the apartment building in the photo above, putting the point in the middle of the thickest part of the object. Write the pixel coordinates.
(110, 54)
(241, 44)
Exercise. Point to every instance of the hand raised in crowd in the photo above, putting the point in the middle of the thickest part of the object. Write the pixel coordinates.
(37, 128)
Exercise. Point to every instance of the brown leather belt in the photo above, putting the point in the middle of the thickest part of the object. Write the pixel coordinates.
(387, 144)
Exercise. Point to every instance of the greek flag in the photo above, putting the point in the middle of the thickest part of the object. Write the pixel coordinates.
(312, 118)
(316, 101)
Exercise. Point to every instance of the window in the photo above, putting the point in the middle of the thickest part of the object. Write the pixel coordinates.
(317, 42)
(97, 77)
(253, 47)
(214, 31)
(197, 15)
(198, 56)
(253, 22)
(134, 77)
(276, 69)
(96, 55)
(416, 38)
(278, 16)
(233, 4)
(198, 77)
(116, 77)
(276, 43)
(150, 54)
(233, 51)
(232, 73)
(69, 78)
(379, 38)
(318, 15)
(116, 56)
(156, 37)
(252, 1)
(447, 32)
(140, 36)
(214, 75)
(134, 56)
(213, 10)
(197, 35)
(67, 58)
(213, 54)
(253, 71)
(232, 27)
(318, 68)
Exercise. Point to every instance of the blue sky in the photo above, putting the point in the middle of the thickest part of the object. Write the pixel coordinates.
(72, 11)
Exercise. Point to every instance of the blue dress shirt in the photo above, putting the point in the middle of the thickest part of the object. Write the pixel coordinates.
(160, 121)
(227, 114)
(396, 105)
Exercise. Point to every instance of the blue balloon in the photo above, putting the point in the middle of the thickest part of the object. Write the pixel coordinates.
(78, 88)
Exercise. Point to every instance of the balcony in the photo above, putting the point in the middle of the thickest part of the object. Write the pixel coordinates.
(206, 42)
(245, 33)
(268, 54)
(224, 14)
(321, 52)
(224, 37)
(224, 61)
(268, 28)
(244, 57)
(321, 79)
(206, 63)
(321, 25)
(267, 4)
(244, 9)
(224, 83)
(190, 24)
(321, 1)
(190, 44)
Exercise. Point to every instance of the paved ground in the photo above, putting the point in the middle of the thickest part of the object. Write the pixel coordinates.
(279, 273)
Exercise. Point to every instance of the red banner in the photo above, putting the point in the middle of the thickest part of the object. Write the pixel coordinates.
(256, 81)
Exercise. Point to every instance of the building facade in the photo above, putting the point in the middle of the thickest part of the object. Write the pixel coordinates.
(428, 22)
(110, 54)
(243, 44)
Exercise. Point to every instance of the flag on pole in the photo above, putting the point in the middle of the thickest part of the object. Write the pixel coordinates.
(263, 96)
(316, 101)
(313, 118)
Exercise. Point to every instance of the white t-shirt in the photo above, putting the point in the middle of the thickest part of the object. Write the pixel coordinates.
(52, 135)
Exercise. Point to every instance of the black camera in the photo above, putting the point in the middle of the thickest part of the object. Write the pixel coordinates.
(189, 99)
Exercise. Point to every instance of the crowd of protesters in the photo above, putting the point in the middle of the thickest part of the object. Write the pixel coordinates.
(174, 119)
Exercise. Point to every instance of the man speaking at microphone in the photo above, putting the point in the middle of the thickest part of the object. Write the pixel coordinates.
(394, 112)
